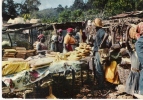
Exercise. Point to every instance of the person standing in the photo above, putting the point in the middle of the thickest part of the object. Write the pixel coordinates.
(41, 47)
(133, 78)
(78, 35)
(98, 40)
(54, 41)
(139, 50)
(69, 41)
(60, 41)
(88, 30)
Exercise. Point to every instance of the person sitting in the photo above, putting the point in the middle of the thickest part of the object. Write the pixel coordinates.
(69, 41)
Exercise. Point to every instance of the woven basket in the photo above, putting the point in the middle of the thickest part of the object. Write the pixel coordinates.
(123, 71)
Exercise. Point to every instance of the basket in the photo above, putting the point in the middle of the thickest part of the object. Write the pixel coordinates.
(123, 71)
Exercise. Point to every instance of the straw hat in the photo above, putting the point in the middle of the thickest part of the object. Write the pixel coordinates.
(140, 28)
(132, 31)
(98, 22)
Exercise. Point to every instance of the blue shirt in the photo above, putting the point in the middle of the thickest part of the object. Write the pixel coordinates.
(98, 39)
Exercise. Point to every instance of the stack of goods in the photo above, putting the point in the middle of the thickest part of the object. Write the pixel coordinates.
(13, 66)
(21, 52)
(80, 52)
(51, 54)
(75, 55)
(9, 53)
(60, 56)
(30, 52)
(83, 49)
(39, 62)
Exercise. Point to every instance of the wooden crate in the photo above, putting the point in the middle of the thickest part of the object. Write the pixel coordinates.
(21, 52)
(9, 53)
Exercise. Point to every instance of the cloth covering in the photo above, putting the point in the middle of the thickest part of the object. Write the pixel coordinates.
(70, 30)
(27, 77)
(111, 74)
(14, 67)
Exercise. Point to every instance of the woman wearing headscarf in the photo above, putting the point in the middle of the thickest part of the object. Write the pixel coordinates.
(41, 47)
(69, 41)
(60, 41)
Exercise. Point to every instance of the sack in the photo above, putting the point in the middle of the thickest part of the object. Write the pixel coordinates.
(104, 43)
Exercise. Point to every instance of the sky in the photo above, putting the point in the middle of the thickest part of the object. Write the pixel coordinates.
(50, 3)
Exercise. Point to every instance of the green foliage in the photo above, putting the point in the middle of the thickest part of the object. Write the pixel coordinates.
(29, 6)
(79, 11)
(26, 16)
(10, 8)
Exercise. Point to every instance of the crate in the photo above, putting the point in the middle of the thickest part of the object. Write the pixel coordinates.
(123, 71)
(21, 52)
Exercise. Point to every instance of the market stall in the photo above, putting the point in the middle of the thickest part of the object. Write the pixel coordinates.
(19, 73)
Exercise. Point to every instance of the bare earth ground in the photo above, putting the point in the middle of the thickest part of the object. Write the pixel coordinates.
(62, 88)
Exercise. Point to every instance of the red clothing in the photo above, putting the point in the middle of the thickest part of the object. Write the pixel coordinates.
(69, 48)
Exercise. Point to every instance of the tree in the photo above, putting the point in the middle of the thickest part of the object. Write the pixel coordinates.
(30, 6)
(60, 8)
(65, 16)
(10, 9)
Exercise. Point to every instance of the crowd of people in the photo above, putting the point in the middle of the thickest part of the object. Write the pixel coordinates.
(95, 35)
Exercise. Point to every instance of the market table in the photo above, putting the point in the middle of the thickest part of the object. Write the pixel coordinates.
(27, 77)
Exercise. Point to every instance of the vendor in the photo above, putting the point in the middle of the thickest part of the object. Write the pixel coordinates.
(69, 41)
(41, 47)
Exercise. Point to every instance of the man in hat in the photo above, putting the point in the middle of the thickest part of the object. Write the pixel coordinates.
(98, 40)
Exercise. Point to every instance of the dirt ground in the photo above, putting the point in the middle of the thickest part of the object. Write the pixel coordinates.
(63, 88)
